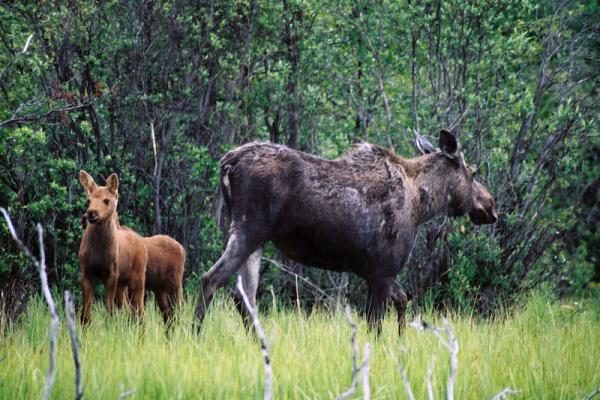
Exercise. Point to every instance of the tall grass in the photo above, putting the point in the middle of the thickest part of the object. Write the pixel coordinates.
(548, 351)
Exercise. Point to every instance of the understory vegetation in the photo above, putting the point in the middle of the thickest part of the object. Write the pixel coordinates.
(544, 350)
(158, 91)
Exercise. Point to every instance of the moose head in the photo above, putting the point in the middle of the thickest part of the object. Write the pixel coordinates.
(102, 200)
(465, 194)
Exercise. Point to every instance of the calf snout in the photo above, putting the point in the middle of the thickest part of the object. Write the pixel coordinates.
(92, 216)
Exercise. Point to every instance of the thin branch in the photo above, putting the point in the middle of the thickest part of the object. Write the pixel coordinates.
(407, 386)
(430, 379)
(593, 394)
(504, 394)
(70, 314)
(268, 391)
(127, 393)
(32, 118)
(54, 321)
(153, 146)
(350, 392)
(365, 372)
(450, 342)
(356, 369)
(284, 269)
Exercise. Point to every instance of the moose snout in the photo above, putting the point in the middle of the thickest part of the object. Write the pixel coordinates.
(92, 216)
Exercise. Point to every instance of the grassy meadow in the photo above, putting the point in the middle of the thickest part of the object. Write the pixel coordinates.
(546, 350)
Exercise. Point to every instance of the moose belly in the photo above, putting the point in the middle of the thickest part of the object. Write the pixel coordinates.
(329, 250)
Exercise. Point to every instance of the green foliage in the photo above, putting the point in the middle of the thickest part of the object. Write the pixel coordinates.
(517, 81)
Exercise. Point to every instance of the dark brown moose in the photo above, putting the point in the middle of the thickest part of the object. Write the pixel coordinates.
(358, 213)
(107, 254)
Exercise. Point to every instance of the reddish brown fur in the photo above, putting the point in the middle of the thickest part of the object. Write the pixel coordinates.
(115, 257)
(164, 272)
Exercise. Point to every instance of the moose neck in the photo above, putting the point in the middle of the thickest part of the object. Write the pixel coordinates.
(434, 186)
(103, 232)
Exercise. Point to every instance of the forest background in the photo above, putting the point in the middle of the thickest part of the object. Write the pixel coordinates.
(89, 84)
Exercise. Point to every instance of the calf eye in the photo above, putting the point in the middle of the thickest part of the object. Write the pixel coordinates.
(106, 201)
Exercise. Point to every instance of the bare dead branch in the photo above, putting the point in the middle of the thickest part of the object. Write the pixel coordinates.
(127, 393)
(33, 118)
(285, 269)
(430, 379)
(70, 314)
(268, 391)
(593, 394)
(504, 394)
(365, 372)
(407, 385)
(356, 369)
(350, 392)
(16, 57)
(154, 146)
(54, 321)
(451, 344)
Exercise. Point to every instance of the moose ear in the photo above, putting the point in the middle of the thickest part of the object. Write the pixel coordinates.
(112, 183)
(87, 181)
(448, 144)
(423, 144)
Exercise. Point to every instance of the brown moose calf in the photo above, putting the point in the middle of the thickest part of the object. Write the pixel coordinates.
(115, 257)
(164, 272)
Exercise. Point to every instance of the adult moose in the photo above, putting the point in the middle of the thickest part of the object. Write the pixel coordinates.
(358, 213)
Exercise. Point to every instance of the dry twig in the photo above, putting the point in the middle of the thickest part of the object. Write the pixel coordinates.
(268, 392)
(449, 341)
(504, 394)
(356, 369)
(70, 314)
(41, 266)
(593, 394)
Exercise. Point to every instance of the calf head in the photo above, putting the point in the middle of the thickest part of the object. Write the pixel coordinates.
(102, 200)
(465, 194)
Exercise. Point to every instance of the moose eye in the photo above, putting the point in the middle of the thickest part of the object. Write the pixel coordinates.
(106, 201)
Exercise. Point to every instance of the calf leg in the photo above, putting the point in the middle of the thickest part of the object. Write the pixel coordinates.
(111, 291)
(165, 303)
(249, 273)
(237, 251)
(121, 296)
(136, 293)
(87, 289)
(400, 300)
(379, 293)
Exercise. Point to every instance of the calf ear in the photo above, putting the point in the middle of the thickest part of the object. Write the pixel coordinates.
(87, 181)
(112, 183)
(448, 144)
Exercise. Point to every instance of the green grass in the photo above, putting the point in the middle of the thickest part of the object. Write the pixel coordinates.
(548, 351)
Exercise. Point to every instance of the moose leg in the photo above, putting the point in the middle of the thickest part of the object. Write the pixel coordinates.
(237, 251)
(249, 273)
(121, 296)
(379, 293)
(111, 291)
(136, 290)
(400, 300)
(165, 303)
(87, 289)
